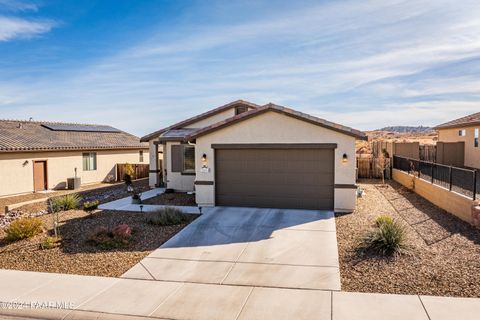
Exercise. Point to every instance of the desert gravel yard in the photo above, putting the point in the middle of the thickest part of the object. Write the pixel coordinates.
(76, 255)
(102, 192)
(444, 257)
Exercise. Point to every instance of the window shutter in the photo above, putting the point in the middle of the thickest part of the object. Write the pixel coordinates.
(176, 158)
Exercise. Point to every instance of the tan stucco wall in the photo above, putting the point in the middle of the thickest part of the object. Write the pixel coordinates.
(176, 180)
(472, 154)
(272, 127)
(16, 169)
(214, 119)
(451, 202)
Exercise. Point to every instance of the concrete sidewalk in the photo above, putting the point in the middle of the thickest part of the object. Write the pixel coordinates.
(83, 297)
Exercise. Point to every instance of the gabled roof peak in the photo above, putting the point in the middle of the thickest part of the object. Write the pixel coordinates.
(283, 110)
(200, 117)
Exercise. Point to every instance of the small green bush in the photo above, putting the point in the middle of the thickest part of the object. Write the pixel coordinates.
(167, 216)
(387, 238)
(383, 219)
(23, 228)
(66, 202)
(49, 243)
(89, 206)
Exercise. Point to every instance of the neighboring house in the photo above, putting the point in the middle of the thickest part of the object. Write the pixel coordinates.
(243, 154)
(36, 156)
(465, 133)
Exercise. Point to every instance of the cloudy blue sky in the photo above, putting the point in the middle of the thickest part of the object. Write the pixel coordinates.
(141, 65)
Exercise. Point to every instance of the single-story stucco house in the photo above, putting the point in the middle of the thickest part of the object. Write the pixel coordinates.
(243, 154)
(36, 156)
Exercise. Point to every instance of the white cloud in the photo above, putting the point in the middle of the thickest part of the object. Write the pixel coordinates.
(16, 5)
(12, 27)
(360, 63)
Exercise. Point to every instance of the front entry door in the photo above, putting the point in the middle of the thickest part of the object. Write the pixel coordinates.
(39, 175)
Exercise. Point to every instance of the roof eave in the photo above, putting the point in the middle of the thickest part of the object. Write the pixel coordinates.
(264, 109)
(457, 125)
(199, 117)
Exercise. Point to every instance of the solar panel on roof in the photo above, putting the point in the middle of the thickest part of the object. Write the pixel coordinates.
(79, 128)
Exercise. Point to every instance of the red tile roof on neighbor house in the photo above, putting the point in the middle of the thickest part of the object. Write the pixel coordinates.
(28, 136)
(199, 117)
(283, 110)
(470, 120)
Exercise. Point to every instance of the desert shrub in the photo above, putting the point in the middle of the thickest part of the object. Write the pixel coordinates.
(107, 239)
(383, 219)
(387, 238)
(66, 202)
(23, 228)
(122, 231)
(128, 179)
(89, 206)
(129, 173)
(50, 243)
(166, 216)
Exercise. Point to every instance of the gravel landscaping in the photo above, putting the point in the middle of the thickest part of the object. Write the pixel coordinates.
(101, 192)
(76, 254)
(173, 199)
(104, 192)
(444, 256)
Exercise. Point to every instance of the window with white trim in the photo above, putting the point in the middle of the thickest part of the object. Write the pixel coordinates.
(462, 133)
(89, 161)
(140, 156)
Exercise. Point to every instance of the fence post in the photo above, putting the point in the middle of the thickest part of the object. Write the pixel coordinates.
(431, 170)
(474, 185)
(450, 177)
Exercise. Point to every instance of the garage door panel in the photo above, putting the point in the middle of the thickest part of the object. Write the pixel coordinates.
(277, 178)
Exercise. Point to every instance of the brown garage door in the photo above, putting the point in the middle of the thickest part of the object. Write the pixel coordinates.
(275, 178)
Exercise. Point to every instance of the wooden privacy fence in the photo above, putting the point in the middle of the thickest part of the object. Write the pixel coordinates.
(413, 150)
(428, 152)
(140, 171)
(370, 168)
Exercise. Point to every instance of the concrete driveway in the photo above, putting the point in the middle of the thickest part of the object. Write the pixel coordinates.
(250, 247)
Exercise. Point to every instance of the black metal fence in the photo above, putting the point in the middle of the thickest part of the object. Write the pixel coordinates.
(460, 180)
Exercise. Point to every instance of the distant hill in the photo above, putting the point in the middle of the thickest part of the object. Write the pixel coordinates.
(407, 129)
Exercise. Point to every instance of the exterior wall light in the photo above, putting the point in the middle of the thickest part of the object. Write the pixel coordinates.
(344, 158)
(204, 158)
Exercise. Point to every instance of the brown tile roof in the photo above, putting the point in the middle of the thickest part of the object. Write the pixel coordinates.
(24, 136)
(469, 120)
(198, 118)
(283, 110)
